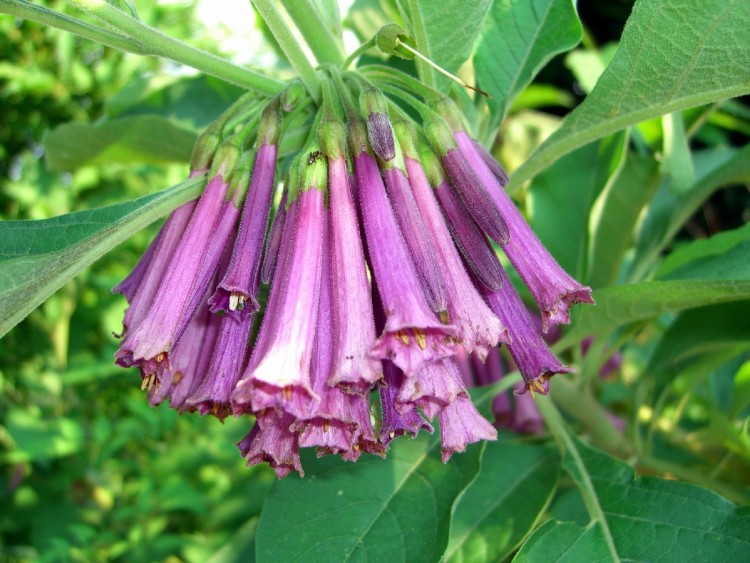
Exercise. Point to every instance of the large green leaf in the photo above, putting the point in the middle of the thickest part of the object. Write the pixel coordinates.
(500, 507)
(617, 306)
(668, 211)
(701, 329)
(615, 215)
(518, 38)
(445, 32)
(644, 519)
(143, 139)
(397, 509)
(560, 199)
(674, 54)
(38, 257)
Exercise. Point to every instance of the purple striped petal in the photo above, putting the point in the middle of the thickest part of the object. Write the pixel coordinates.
(476, 325)
(552, 288)
(461, 425)
(237, 293)
(275, 444)
(412, 336)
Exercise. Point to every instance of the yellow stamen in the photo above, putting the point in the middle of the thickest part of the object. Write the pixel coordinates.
(145, 382)
(420, 337)
(402, 336)
(177, 377)
(234, 298)
(325, 426)
(286, 392)
(392, 434)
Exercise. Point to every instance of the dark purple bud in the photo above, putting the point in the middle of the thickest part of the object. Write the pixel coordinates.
(380, 135)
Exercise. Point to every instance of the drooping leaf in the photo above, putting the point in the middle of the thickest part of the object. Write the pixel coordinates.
(621, 305)
(518, 38)
(143, 139)
(560, 200)
(500, 507)
(701, 329)
(446, 32)
(668, 212)
(615, 215)
(377, 509)
(718, 244)
(643, 519)
(38, 257)
(673, 55)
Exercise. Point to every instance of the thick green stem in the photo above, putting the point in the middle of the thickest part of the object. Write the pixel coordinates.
(326, 47)
(157, 43)
(366, 46)
(51, 18)
(269, 11)
(426, 72)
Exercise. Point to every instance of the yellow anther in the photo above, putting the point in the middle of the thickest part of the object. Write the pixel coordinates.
(234, 298)
(177, 377)
(160, 357)
(144, 382)
(325, 426)
(392, 434)
(286, 392)
(420, 337)
(402, 336)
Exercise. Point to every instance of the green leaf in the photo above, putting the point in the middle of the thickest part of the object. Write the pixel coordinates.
(41, 440)
(38, 257)
(668, 212)
(342, 512)
(143, 139)
(671, 57)
(677, 162)
(733, 264)
(703, 248)
(644, 519)
(445, 32)
(701, 329)
(560, 200)
(518, 38)
(615, 215)
(617, 306)
(500, 507)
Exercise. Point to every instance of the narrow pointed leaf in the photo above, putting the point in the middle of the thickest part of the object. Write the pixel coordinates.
(518, 38)
(501, 506)
(646, 518)
(38, 257)
(673, 55)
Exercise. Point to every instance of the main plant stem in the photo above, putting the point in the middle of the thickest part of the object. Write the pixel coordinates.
(270, 12)
(156, 43)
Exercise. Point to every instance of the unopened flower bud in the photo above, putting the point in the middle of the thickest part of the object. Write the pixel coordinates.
(226, 159)
(204, 150)
(379, 129)
(269, 129)
(389, 39)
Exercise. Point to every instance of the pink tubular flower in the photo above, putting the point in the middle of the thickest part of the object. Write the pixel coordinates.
(477, 327)
(534, 359)
(354, 326)
(397, 423)
(278, 375)
(552, 288)
(416, 237)
(412, 336)
(150, 343)
(460, 425)
(273, 443)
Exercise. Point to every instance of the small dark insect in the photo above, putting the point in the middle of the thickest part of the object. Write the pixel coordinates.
(315, 155)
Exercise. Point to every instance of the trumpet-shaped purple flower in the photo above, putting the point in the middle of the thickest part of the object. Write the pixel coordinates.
(552, 288)
(412, 336)
(237, 293)
(416, 236)
(273, 242)
(431, 389)
(397, 423)
(149, 344)
(460, 425)
(278, 375)
(275, 444)
(354, 326)
(534, 359)
(476, 325)
(141, 285)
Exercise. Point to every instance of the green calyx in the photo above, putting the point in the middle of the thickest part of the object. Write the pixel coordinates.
(240, 180)
(389, 39)
(204, 150)
(372, 100)
(433, 170)
(292, 95)
(407, 138)
(447, 108)
(439, 135)
(226, 159)
(332, 137)
(269, 129)
(313, 170)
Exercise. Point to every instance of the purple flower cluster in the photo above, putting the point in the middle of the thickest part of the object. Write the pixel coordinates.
(374, 279)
